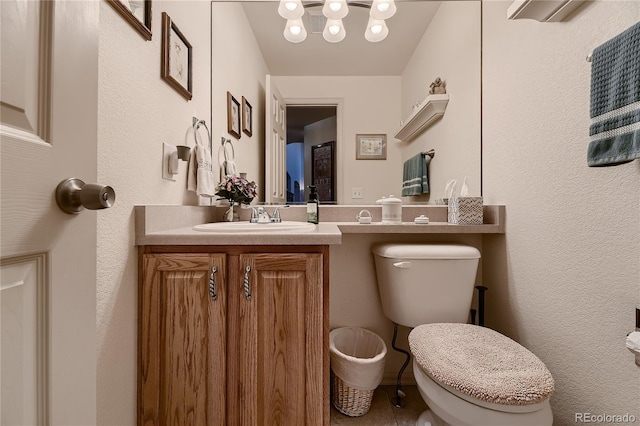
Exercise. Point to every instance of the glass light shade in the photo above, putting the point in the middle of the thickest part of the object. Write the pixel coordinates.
(376, 30)
(335, 9)
(291, 9)
(334, 31)
(294, 31)
(382, 9)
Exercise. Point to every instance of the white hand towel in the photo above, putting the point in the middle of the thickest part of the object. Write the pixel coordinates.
(200, 175)
(192, 174)
(230, 168)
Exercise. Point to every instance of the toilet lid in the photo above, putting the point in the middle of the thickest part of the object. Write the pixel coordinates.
(481, 363)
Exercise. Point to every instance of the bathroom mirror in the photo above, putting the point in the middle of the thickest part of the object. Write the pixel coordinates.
(374, 87)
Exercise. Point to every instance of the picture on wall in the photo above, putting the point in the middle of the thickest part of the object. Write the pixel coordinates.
(233, 116)
(176, 58)
(137, 13)
(247, 117)
(371, 147)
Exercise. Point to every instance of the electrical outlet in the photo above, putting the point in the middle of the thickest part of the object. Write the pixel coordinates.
(356, 193)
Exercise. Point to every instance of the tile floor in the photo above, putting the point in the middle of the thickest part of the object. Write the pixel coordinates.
(382, 411)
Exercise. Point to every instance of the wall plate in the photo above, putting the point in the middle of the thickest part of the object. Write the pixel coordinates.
(167, 150)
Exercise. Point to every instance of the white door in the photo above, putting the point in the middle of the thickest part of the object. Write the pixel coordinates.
(48, 133)
(275, 145)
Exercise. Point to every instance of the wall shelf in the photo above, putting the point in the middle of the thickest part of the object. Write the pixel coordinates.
(543, 11)
(431, 109)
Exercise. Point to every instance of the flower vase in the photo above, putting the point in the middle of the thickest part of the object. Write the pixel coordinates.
(232, 214)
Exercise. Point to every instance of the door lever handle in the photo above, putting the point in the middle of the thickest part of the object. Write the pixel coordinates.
(73, 196)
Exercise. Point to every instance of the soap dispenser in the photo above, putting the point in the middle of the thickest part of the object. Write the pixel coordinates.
(313, 205)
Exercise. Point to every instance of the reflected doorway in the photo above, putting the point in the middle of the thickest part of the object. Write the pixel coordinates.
(308, 127)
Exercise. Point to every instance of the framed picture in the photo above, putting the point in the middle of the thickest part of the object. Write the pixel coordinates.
(247, 117)
(371, 147)
(137, 13)
(176, 58)
(233, 116)
(323, 170)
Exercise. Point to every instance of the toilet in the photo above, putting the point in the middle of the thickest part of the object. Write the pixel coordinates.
(467, 374)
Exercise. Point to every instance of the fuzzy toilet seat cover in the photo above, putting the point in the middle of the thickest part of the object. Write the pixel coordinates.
(481, 363)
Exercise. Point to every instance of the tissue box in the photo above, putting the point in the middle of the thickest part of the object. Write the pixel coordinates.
(465, 210)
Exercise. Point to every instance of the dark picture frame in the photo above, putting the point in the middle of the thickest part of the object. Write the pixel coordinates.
(371, 147)
(233, 116)
(131, 11)
(247, 117)
(177, 62)
(323, 171)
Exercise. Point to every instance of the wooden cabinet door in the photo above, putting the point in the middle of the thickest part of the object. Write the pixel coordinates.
(275, 339)
(182, 340)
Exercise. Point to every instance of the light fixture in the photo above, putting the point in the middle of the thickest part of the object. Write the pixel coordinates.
(376, 30)
(334, 31)
(291, 9)
(294, 31)
(382, 9)
(335, 9)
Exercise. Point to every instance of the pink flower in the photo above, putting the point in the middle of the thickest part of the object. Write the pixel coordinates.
(236, 189)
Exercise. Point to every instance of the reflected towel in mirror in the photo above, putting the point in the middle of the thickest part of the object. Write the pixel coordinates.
(414, 175)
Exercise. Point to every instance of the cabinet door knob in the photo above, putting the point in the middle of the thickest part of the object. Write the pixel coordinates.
(212, 283)
(247, 292)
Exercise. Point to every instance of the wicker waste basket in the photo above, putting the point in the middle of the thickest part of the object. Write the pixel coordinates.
(357, 365)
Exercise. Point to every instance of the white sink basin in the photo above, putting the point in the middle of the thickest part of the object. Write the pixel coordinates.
(250, 228)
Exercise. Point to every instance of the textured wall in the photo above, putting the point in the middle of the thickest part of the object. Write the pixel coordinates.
(565, 279)
(138, 111)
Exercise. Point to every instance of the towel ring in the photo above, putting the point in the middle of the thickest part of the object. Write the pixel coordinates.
(224, 149)
(196, 126)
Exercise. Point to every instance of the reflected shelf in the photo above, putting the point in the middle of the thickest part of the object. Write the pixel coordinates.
(431, 109)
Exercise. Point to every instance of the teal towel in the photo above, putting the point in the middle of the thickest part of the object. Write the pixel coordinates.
(615, 100)
(414, 176)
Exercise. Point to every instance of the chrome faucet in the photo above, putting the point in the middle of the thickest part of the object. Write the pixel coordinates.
(276, 213)
(260, 215)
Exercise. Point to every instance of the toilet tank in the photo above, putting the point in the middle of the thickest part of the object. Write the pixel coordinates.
(426, 283)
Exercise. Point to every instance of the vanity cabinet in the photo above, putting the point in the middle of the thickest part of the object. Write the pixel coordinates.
(233, 335)
(182, 339)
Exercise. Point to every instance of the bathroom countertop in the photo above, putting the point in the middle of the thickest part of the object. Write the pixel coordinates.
(173, 225)
(324, 234)
(413, 228)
